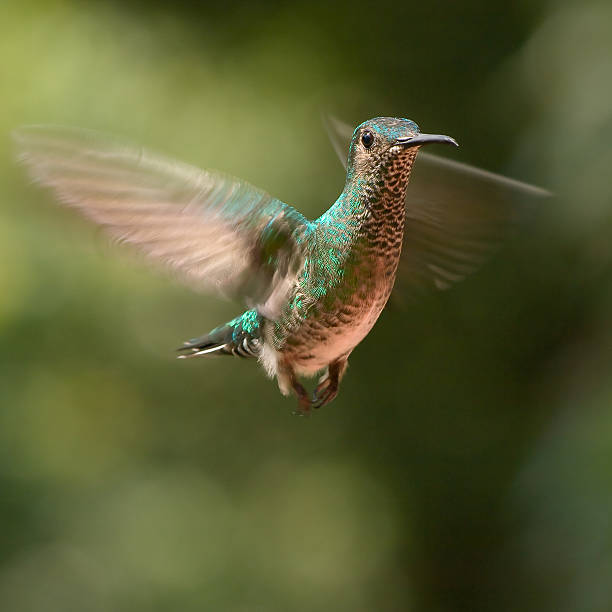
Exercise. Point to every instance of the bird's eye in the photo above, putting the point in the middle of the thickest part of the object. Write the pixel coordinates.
(367, 138)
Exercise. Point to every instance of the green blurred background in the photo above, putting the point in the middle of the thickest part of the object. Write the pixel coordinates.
(466, 464)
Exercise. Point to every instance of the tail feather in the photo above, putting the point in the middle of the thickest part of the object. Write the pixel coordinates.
(240, 337)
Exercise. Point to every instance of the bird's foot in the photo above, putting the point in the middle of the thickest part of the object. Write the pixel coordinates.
(304, 403)
(325, 392)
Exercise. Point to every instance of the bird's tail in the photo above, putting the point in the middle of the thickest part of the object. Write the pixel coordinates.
(240, 337)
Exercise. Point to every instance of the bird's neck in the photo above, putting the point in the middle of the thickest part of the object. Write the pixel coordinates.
(378, 203)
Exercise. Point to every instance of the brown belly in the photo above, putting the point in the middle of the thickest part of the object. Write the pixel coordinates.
(333, 331)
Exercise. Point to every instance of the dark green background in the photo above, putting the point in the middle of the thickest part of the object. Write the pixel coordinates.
(466, 464)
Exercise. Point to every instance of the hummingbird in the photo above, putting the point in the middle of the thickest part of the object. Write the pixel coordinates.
(313, 289)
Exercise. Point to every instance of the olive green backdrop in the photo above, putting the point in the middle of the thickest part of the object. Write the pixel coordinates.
(466, 464)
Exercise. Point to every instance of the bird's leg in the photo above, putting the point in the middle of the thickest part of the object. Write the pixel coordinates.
(327, 389)
(287, 381)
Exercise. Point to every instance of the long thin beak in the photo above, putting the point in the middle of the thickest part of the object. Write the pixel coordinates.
(422, 139)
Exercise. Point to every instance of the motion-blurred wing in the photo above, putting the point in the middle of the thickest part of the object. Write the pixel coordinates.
(455, 215)
(217, 231)
(339, 134)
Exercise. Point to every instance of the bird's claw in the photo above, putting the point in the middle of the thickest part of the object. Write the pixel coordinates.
(324, 394)
(304, 403)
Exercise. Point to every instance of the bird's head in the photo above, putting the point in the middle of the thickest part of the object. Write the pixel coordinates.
(383, 147)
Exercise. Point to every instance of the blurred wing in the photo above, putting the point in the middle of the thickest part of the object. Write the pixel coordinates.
(217, 231)
(456, 214)
(339, 134)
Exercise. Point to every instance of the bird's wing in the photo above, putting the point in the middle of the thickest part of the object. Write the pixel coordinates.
(456, 214)
(218, 232)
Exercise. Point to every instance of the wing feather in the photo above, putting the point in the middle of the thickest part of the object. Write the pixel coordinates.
(216, 231)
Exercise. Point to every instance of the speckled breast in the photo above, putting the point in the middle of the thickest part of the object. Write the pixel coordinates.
(336, 322)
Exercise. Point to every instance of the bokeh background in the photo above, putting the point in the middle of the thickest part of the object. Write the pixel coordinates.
(466, 464)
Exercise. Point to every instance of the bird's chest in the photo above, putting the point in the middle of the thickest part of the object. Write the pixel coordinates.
(338, 299)
(340, 281)
(353, 306)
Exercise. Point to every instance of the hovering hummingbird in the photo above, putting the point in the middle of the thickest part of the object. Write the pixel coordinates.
(313, 289)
